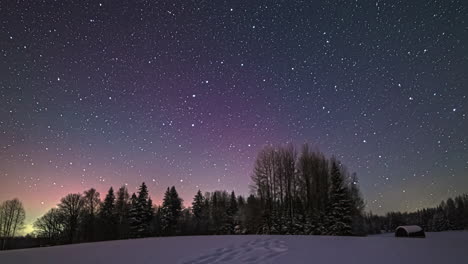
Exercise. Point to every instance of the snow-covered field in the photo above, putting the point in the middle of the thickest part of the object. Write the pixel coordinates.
(445, 247)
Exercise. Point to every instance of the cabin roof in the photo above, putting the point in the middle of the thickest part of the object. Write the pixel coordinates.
(411, 228)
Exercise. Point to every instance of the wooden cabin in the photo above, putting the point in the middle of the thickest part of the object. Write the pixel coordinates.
(410, 231)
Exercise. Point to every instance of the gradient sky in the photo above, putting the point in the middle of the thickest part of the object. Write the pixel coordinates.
(185, 93)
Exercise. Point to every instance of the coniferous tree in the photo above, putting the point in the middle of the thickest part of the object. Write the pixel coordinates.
(198, 211)
(143, 210)
(122, 210)
(460, 212)
(170, 211)
(219, 208)
(108, 218)
(340, 205)
(252, 218)
(134, 216)
(197, 205)
(141, 213)
(232, 213)
(451, 214)
(156, 223)
(440, 221)
(357, 207)
(176, 202)
(208, 215)
(465, 212)
(149, 212)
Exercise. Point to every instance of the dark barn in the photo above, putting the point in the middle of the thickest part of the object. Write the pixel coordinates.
(410, 231)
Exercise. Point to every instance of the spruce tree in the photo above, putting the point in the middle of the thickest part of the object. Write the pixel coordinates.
(143, 195)
(107, 216)
(339, 218)
(231, 213)
(122, 208)
(149, 217)
(107, 208)
(197, 205)
(451, 213)
(198, 210)
(170, 211)
(176, 203)
(233, 208)
(459, 212)
(134, 216)
(440, 222)
(357, 207)
(142, 212)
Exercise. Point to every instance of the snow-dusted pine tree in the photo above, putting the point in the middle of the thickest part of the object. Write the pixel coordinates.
(198, 211)
(339, 218)
(107, 216)
(134, 216)
(122, 208)
(440, 222)
(232, 213)
(357, 207)
(197, 205)
(170, 211)
(143, 211)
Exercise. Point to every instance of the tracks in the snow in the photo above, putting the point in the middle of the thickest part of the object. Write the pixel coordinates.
(260, 250)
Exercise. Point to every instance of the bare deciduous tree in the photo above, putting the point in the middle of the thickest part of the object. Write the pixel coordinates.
(51, 225)
(91, 201)
(71, 207)
(12, 217)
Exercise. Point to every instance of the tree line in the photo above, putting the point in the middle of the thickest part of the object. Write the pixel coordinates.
(292, 192)
(451, 214)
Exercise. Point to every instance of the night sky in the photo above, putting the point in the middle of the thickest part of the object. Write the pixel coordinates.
(185, 93)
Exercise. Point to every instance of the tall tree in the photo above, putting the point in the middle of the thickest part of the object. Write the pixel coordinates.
(252, 220)
(198, 211)
(51, 226)
(91, 202)
(12, 217)
(264, 185)
(170, 211)
(72, 206)
(340, 204)
(144, 210)
(149, 213)
(233, 207)
(460, 212)
(134, 217)
(122, 208)
(197, 205)
(107, 216)
(141, 212)
(451, 213)
(357, 207)
(306, 172)
(440, 221)
(232, 211)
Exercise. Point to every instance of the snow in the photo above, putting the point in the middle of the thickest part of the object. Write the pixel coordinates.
(444, 247)
(411, 229)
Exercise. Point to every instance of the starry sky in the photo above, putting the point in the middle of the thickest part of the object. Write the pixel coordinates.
(185, 93)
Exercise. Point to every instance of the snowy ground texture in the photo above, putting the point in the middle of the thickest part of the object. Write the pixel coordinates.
(445, 247)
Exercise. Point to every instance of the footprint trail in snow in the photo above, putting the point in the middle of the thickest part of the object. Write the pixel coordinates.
(260, 250)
